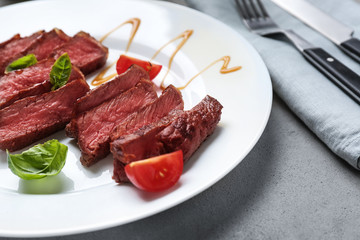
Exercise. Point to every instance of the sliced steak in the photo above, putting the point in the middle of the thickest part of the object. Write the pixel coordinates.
(50, 41)
(119, 174)
(85, 52)
(190, 129)
(142, 142)
(111, 89)
(169, 100)
(93, 128)
(30, 81)
(17, 47)
(36, 117)
(14, 38)
(184, 130)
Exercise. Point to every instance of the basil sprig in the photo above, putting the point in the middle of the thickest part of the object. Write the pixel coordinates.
(39, 161)
(21, 63)
(60, 72)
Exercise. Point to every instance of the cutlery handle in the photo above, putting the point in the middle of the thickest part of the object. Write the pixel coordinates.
(341, 75)
(352, 48)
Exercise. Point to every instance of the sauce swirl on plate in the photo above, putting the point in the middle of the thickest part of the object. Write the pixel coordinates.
(185, 36)
(135, 22)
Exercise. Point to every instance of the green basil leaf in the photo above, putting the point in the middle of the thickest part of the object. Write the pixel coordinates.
(39, 161)
(60, 72)
(21, 63)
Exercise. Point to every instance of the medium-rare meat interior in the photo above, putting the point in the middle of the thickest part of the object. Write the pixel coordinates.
(170, 99)
(15, 48)
(29, 110)
(142, 138)
(92, 128)
(14, 38)
(180, 130)
(31, 81)
(84, 51)
(32, 118)
(111, 89)
(47, 43)
(168, 102)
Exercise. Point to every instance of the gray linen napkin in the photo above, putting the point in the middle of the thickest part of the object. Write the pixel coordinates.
(323, 107)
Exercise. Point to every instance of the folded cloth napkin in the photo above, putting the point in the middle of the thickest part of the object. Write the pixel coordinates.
(324, 108)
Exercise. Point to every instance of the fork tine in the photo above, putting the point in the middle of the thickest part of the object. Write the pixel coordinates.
(247, 9)
(262, 9)
(251, 10)
(256, 18)
(244, 12)
(254, 9)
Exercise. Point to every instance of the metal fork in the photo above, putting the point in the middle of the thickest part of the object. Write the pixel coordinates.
(258, 21)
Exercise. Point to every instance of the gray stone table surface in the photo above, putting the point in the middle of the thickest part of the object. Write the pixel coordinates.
(290, 186)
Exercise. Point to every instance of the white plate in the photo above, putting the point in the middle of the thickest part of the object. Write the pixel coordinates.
(86, 199)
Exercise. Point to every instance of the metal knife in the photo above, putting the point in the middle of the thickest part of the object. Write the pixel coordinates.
(336, 31)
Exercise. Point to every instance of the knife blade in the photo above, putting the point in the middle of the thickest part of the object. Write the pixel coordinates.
(336, 31)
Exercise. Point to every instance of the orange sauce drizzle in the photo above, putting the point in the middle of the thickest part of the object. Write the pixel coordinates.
(224, 69)
(99, 79)
(185, 36)
(135, 22)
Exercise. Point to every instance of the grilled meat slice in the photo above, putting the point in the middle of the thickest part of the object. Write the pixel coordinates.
(47, 43)
(32, 118)
(125, 147)
(169, 100)
(30, 81)
(85, 52)
(16, 47)
(111, 89)
(92, 128)
(13, 38)
(184, 130)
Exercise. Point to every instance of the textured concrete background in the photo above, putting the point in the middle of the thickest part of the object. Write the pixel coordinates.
(290, 186)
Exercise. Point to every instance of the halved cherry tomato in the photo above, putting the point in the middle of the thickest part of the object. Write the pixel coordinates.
(124, 62)
(156, 173)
